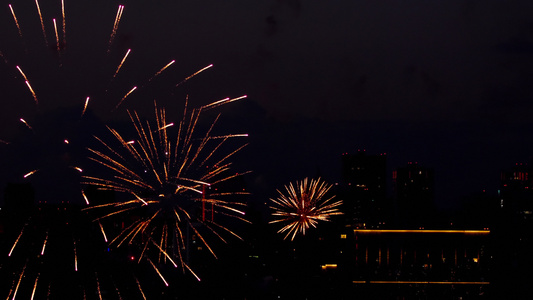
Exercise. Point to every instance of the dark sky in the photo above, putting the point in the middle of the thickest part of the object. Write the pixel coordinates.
(445, 83)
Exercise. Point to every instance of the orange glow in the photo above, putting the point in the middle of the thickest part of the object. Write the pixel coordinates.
(328, 266)
(420, 231)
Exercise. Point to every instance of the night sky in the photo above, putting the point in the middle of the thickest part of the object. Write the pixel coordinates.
(447, 84)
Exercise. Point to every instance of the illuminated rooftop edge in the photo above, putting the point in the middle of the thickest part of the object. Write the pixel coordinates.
(424, 282)
(421, 231)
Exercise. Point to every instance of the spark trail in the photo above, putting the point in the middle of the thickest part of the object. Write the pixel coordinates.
(194, 74)
(165, 174)
(42, 23)
(122, 62)
(16, 20)
(115, 25)
(303, 205)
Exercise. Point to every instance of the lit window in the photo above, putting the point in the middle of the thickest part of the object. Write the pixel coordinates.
(343, 236)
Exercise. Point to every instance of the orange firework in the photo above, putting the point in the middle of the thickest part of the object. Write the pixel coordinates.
(166, 177)
(121, 63)
(161, 70)
(57, 35)
(303, 205)
(115, 25)
(42, 23)
(15, 18)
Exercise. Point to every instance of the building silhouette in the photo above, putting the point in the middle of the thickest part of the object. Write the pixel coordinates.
(414, 194)
(364, 190)
(516, 193)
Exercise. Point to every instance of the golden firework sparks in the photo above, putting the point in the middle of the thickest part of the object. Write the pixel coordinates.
(15, 18)
(194, 74)
(34, 287)
(44, 243)
(16, 242)
(140, 289)
(166, 176)
(161, 70)
(158, 273)
(18, 283)
(303, 205)
(57, 36)
(122, 62)
(64, 22)
(115, 25)
(125, 96)
(85, 106)
(42, 23)
(30, 173)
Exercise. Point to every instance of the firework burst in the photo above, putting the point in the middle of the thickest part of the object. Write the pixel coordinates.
(166, 174)
(304, 204)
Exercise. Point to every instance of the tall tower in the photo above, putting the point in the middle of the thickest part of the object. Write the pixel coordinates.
(364, 189)
(414, 194)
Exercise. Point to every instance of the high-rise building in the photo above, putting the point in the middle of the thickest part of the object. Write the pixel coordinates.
(364, 189)
(414, 194)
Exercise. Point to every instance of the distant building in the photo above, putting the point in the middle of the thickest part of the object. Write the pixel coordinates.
(364, 189)
(516, 193)
(414, 194)
(431, 264)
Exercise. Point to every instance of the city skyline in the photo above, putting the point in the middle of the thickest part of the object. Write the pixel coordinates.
(444, 84)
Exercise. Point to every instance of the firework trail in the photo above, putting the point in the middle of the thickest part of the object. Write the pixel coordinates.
(122, 62)
(16, 20)
(194, 74)
(303, 205)
(42, 23)
(16, 242)
(161, 70)
(125, 96)
(115, 25)
(85, 106)
(34, 287)
(64, 22)
(165, 176)
(18, 283)
(57, 36)
(180, 171)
